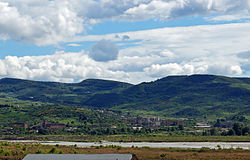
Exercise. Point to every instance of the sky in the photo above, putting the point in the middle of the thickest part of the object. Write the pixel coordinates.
(125, 40)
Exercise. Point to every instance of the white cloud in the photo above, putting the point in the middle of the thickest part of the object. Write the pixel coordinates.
(214, 49)
(157, 70)
(244, 16)
(167, 53)
(74, 67)
(169, 9)
(46, 22)
(74, 45)
(35, 23)
(150, 54)
(236, 70)
(184, 42)
(62, 67)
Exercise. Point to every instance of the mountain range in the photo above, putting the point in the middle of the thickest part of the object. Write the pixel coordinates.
(171, 96)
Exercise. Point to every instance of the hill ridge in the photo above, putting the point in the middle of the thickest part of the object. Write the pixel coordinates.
(180, 95)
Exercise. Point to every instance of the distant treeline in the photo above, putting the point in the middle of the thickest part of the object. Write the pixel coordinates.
(5, 105)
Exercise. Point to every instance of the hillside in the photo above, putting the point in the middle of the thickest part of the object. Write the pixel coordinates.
(172, 96)
(190, 96)
(61, 93)
(184, 96)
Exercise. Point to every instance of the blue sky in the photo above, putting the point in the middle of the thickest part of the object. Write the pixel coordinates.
(132, 41)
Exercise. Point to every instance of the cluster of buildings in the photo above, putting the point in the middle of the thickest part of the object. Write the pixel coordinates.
(146, 122)
(51, 126)
(154, 122)
(15, 128)
(136, 122)
(45, 125)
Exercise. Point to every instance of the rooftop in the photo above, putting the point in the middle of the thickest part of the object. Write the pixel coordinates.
(78, 157)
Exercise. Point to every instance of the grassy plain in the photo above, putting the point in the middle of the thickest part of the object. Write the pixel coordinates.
(129, 138)
(17, 151)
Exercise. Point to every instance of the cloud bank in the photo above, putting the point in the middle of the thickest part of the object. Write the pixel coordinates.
(142, 55)
(51, 22)
(221, 49)
(61, 67)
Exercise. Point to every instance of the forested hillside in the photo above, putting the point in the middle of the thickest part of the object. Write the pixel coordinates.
(172, 96)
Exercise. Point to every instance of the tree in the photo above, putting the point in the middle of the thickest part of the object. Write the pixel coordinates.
(181, 127)
(245, 131)
(213, 132)
(237, 129)
(231, 132)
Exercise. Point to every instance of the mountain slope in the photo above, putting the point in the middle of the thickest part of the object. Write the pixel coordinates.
(62, 93)
(184, 96)
(172, 96)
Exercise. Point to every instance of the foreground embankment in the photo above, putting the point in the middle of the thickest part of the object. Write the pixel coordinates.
(19, 150)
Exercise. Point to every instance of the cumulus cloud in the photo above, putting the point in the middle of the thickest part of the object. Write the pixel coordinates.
(46, 22)
(157, 70)
(225, 69)
(150, 54)
(76, 66)
(185, 43)
(35, 23)
(169, 9)
(104, 50)
(159, 9)
(215, 49)
(62, 67)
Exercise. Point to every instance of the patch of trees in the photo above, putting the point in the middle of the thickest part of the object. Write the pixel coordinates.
(239, 130)
(4, 105)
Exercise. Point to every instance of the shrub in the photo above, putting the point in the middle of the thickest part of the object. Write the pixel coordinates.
(204, 149)
(53, 150)
(145, 147)
(219, 147)
(38, 152)
(119, 147)
(24, 148)
(6, 153)
(163, 155)
(18, 146)
(75, 152)
(1, 151)
(239, 149)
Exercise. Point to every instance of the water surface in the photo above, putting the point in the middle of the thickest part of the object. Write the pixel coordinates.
(244, 145)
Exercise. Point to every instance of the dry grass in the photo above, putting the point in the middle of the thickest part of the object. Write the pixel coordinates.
(18, 151)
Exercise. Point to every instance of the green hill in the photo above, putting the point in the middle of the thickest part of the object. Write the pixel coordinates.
(61, 93)
(172, 96)
(182, 96)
